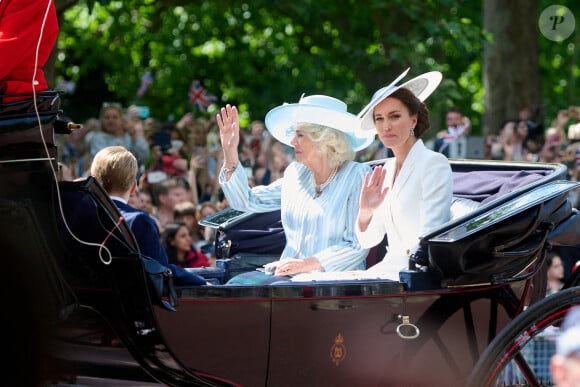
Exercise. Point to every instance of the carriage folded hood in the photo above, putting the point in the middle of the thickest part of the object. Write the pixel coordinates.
(506, 242)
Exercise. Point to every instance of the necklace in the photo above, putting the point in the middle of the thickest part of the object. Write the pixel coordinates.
(318, 188)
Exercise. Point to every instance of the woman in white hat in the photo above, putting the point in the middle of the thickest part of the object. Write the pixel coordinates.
(412, 192)
(319, 192)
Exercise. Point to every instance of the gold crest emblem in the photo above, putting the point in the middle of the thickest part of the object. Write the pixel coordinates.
(338, 350)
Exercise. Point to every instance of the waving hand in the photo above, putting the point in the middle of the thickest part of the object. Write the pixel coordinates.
(229, 125)
(371, 195)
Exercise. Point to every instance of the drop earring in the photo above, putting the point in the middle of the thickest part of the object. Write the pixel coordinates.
(413, 131)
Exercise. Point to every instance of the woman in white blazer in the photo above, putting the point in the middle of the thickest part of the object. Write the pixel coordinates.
(411, 193)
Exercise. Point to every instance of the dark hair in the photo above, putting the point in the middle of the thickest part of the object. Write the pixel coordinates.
(168, 184)
(415, 107)
(221, 195)
(455, 110)
(550, 258)
(506, 121)
(168, 236)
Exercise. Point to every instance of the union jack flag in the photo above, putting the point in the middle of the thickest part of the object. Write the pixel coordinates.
(453, 133)
(199, 96)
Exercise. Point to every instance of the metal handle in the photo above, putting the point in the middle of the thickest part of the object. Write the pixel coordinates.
(405, 323)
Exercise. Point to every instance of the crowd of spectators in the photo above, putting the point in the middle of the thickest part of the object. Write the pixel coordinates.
(179, 160)
(178, 164)
(524, 138)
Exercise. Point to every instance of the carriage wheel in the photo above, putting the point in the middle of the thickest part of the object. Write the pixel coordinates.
(512, 358)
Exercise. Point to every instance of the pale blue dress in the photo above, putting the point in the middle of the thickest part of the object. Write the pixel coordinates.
(322, 227)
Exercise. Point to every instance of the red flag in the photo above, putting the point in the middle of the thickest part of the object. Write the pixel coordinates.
(199, 96)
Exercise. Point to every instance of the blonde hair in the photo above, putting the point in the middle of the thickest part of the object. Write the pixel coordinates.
(203, 205)
(185, 208)
(115, 168)
(333, 143)
(110, 106)
(574, 132)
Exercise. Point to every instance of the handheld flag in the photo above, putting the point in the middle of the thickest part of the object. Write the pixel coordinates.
(199, 96)
(146, 80)
(453, 133)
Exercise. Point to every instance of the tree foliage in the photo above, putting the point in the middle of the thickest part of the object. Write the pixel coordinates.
(260, 54)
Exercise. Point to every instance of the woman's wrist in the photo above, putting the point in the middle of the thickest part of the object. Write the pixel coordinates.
(231, 157)
(229, 170)
(230, 163)
(312, 263)
(364, 219)
(365, 214)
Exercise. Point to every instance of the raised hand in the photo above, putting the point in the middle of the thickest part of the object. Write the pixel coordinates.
(229, 125)
(197, 162)
(187, 119)
(373, 193)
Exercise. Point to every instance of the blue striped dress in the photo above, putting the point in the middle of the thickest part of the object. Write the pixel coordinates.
(321, 227)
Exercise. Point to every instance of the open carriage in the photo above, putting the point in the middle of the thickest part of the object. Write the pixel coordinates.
(118, 318)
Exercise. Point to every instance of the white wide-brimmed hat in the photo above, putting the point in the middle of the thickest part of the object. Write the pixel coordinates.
(316, 109)
(422, 86)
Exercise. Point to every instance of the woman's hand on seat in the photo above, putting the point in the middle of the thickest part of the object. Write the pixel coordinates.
(292, 266)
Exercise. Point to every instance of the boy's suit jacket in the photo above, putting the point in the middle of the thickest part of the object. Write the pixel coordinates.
(147, 236)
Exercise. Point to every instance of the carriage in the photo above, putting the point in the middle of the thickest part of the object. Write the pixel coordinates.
(114, 316)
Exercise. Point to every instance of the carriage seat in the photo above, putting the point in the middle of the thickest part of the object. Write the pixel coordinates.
(94, 228)
(473, 189)
(486, 186)
(462, 206)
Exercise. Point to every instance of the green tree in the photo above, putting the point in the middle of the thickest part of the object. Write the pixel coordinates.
(260, 54)
(522, 68)
(511, 75)
(559, 68)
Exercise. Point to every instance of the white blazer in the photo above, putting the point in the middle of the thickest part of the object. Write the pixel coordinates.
(417, 201)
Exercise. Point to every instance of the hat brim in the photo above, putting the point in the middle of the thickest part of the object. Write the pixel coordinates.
(378, 94)
(281, 122)
(422, 86)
